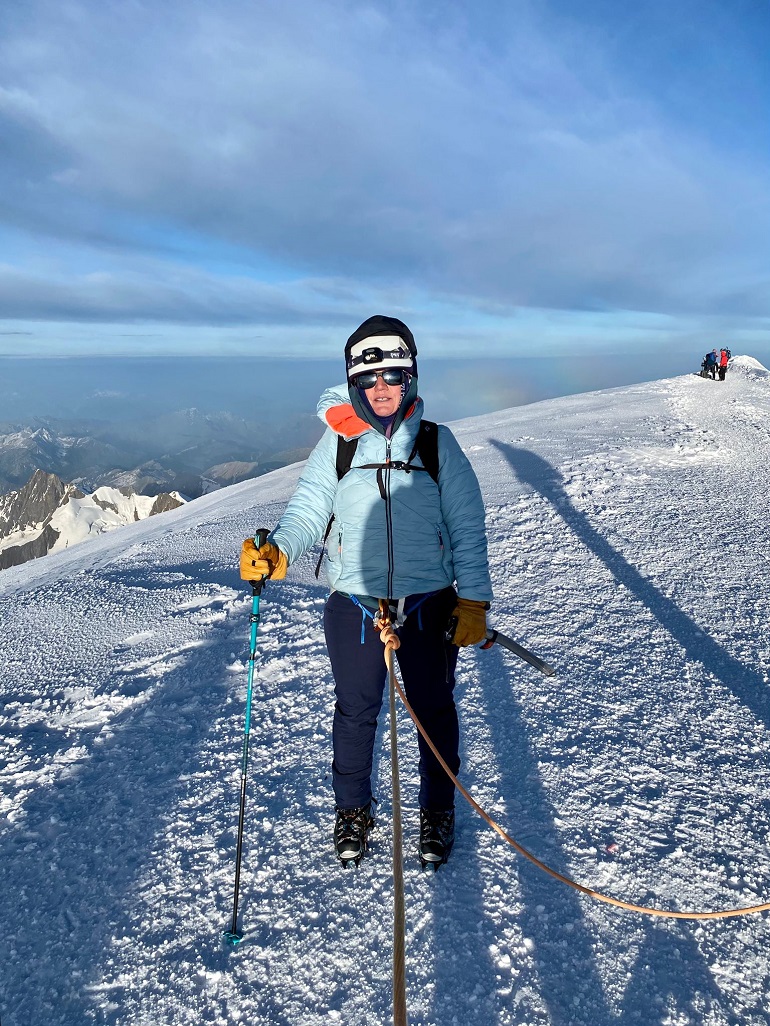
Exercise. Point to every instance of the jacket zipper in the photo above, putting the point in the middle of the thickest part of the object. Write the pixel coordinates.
(389, 522)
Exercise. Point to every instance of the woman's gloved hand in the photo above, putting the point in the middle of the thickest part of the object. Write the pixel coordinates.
(260, 563)
(470, 620)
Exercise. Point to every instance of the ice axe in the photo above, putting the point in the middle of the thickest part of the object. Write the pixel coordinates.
(497, 638)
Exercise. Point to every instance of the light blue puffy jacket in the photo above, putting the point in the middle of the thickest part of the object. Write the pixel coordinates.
(436, 535)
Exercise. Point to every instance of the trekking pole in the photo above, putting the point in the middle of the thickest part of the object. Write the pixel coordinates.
(231, 936)
(496, 638)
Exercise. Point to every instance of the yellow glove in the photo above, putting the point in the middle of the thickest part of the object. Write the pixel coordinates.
(471, 617)
(262, 562)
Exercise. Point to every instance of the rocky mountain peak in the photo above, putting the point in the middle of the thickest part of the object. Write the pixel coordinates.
(35, 503)
(47, 514)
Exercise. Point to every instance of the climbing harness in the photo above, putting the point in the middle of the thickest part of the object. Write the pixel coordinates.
(397, 611)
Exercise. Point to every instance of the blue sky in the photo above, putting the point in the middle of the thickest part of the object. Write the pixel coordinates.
(507, 177)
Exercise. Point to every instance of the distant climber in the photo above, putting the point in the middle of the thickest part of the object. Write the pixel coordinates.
(710, 364)
(724, 359)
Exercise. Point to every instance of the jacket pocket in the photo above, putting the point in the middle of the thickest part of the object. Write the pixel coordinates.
(339, 552)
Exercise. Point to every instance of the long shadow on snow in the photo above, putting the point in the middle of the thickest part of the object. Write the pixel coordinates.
(84, 842)
(456, 940)
(669, 964)
(562, 972)
(670, 976)
(74, 860)
(747, 685)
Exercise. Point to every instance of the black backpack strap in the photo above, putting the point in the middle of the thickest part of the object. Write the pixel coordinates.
(323, 547)
(426, 447)
(346, 450)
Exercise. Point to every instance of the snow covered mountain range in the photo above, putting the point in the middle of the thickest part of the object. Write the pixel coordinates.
(628, 535)
(189, 451)
(47, 515)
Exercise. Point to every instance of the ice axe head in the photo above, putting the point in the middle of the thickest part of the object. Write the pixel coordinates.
(491, 639)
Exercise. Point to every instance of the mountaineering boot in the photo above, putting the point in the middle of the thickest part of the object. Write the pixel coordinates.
(350, 833)
(437, 834)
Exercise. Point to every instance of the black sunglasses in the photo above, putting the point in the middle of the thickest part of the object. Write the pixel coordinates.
(391, 376)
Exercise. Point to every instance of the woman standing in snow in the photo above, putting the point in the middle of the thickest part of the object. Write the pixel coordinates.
(404, 523)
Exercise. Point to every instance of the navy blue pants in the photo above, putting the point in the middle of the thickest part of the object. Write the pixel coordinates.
(427, 663)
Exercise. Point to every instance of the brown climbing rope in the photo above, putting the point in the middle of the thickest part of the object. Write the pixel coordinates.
(721, 914)
(391, 641)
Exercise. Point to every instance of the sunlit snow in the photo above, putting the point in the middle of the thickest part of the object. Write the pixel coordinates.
(629, 547)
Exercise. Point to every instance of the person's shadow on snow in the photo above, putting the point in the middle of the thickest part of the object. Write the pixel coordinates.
(680, 972)
(747, 684)
(564, 962)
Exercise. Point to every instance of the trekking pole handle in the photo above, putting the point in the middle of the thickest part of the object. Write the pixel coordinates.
(260, 537)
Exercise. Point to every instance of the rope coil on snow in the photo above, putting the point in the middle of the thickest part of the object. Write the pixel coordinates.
(588, 891)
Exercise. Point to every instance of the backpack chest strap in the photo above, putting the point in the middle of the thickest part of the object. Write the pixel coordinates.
(382, 467)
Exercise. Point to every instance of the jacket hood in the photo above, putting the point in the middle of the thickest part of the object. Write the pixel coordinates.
(381, 325)
(371, 346)
(336, 411)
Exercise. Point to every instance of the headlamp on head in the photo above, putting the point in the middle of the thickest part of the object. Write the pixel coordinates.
(372, 355)
(378, 352)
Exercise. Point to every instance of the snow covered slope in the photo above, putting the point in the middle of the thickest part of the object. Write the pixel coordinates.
(629, 546)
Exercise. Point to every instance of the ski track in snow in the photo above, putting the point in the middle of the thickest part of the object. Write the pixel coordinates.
(628, 539)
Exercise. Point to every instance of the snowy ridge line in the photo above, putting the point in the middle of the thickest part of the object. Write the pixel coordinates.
(588, 891)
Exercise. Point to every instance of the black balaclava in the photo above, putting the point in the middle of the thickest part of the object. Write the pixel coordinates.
(403, 356)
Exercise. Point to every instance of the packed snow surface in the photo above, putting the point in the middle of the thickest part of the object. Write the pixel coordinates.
(629, 547)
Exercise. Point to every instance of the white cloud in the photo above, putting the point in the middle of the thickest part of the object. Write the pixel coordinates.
(367, 144)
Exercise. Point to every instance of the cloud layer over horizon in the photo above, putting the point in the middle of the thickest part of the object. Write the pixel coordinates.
(303, 164)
